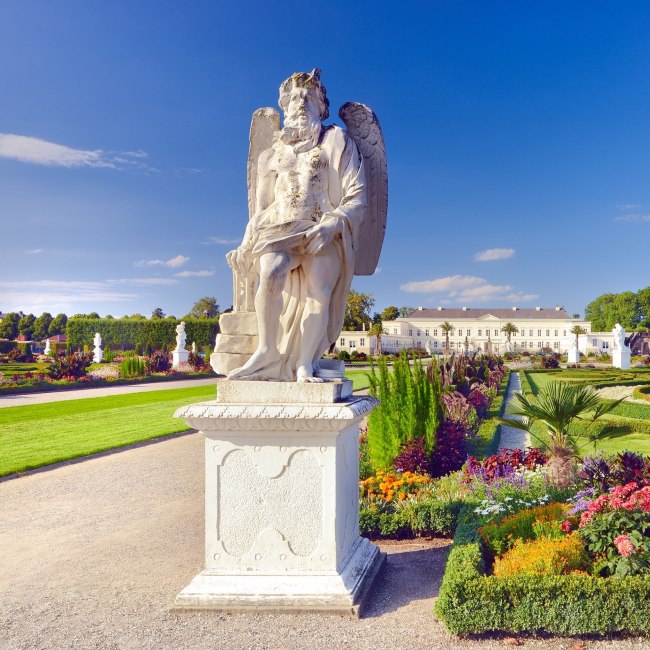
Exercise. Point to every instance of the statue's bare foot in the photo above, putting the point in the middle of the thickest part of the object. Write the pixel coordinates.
(257, 362)
(305, 374)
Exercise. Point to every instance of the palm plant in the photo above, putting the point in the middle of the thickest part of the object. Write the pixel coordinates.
(377, 330)
(578, 331)
(556, 406)
(509, 329)
(446, 327)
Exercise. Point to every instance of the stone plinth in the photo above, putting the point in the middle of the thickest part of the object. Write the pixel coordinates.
(98, 355)
(178, 357)
(573, 356)
(236, 341)
(281, 500)
(621, 358)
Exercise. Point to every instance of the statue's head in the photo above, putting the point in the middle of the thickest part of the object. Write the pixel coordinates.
(309, 81)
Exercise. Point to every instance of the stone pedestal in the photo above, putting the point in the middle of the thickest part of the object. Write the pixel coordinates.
(621, 358)
(236, 341)
(178, 357)
(282, 499)
(98, 355)
(573, 356)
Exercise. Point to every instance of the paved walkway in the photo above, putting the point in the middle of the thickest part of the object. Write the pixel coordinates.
(80, 393)
(513, 438)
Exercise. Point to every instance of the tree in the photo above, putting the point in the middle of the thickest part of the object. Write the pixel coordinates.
(377, 331)
(390, 313)
(42, 326)
(577, 331)
(446, 328)
(26, 325)
(205, 307)
(643, 298)
(556, 406)
(58, 325)
(9, 326)
(626, 308)
(158, 313)
(575, 315)
(136, 317)
(357, 310)
(405, 311)
(509, 329)
(93, 314)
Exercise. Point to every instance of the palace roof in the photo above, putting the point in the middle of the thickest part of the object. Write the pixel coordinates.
(502, 313)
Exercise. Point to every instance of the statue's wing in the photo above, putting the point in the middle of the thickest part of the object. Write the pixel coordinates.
(363, 127)
(265, 122)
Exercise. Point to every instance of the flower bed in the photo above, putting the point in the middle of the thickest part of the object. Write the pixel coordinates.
(570, 566)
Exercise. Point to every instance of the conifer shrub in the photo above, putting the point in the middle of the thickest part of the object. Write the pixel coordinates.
(132, 367)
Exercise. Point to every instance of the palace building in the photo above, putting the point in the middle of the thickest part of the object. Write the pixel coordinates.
(480, 329)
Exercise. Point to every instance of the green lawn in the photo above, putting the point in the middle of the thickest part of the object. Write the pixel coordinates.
(11, 369)
(42, 434)
(359, 378)
(626, 428)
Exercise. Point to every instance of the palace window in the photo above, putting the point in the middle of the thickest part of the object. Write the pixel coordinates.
(410, 332)
(435, 332)
(460, 332)
(548, 332)
(556, 332)
(530, 332)
(556, 345)
(362, 342)
(394, 330)
(496, 332)
(531, 345)
(342, 341)
(539, 344)
(469, 332)
(435, 344)
(426, 332)
(353, 344)
(539, 332)
(480, 332)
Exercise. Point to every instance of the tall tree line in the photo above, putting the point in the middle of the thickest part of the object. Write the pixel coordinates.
(630, 309)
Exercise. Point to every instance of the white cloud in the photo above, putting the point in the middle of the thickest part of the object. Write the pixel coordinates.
(633, 217)
(467, 289)
(190, 274)
(34, 251)
(172, 263)
(222, 241)
(142, 282)
(449, 283)
(492, 254)
(36, 151)
(627, 206)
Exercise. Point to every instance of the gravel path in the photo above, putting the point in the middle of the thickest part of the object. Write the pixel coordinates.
(94, 553)
(616, 392)
(513, 438)
(64, 396)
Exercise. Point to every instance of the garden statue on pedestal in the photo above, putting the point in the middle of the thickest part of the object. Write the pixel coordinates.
(573, 354)
(621, 354)
(48, 349)
(180, 354)
(98, 355)
(317, 204)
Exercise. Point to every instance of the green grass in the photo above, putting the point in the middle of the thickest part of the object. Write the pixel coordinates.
(42, 434)
(11, 369)
(359, 378)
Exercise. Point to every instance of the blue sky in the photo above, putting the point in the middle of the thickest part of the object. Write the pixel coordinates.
(517, 139)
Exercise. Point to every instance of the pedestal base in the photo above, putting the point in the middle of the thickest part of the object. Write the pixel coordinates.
(179, 357)
(335, 593)
(621, 358)
(573, 356)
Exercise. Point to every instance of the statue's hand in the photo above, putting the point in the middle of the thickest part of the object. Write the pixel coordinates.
(321, 235)
(240, 259)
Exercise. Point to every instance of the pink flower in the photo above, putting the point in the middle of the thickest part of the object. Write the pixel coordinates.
(624, 545)
(565, 526)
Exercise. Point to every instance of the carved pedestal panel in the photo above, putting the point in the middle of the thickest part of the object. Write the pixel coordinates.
(621, 358)
(281, 500)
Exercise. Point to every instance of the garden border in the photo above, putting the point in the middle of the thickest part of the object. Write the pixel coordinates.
(472, 602)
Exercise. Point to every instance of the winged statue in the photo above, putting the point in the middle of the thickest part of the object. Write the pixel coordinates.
(318, 201)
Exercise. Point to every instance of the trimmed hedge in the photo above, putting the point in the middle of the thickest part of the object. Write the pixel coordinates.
(641, 392)
(127, 333)
(7, 346)
(470, 602)
(429, 517)
(488, 435)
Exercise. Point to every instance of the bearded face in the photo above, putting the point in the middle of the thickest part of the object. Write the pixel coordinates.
(302, 123)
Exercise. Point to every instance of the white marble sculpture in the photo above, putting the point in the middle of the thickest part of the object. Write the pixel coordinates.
(48, 348)
(180, 355)
(621, 354)
(193, 347)
(98, 353)
(318, 198)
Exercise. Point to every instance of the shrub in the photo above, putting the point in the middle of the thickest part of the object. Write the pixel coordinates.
(159, 361)
(412, 457)
(409, 408)
(504, 463)
(196, 361)
(72, 366)
(549, 361)
(132, 367)
(456, 407)
(450, 451)
(603, 473)
(544, 556)
(343, 355)
(108, 354)
(21, 354)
